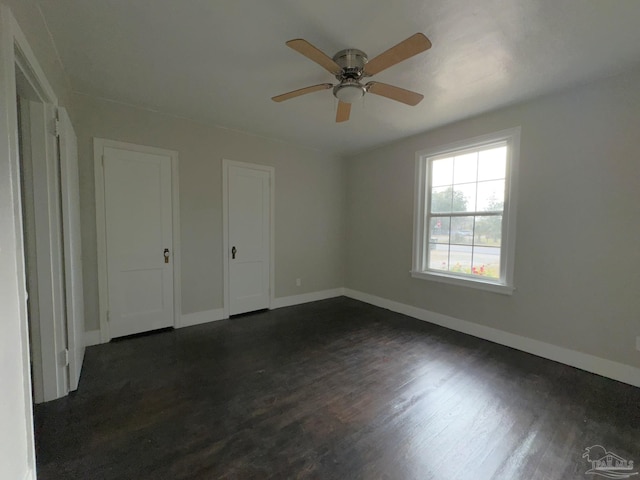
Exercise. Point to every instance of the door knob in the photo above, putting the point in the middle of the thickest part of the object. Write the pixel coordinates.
(233, 252)
(166, 255)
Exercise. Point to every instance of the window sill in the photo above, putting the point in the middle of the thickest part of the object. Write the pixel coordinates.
(464, 282)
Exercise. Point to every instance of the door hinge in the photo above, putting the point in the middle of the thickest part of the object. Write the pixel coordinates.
(65, 357)
(56, 127)
(108, 316)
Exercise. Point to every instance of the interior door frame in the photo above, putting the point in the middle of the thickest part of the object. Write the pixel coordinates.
(225, 228)
(49, 328)
(48, 331)
(17, 55)
(99, 144)
(72, 244)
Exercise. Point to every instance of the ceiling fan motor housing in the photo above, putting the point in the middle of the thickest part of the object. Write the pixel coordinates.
(351, 62)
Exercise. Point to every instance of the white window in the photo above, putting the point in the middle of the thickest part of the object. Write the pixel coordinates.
(464, 227)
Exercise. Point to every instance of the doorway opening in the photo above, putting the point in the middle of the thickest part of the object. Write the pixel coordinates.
(42, 235)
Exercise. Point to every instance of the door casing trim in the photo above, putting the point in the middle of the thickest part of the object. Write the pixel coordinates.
(99, 144)
(225, 228)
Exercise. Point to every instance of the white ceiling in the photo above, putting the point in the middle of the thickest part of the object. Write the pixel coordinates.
(220, 61)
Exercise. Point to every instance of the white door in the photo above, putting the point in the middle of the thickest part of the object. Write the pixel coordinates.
(70, 185)
(139, 243)
(249, 238)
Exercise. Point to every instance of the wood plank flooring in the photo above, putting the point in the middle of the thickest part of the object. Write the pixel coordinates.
(329, 390)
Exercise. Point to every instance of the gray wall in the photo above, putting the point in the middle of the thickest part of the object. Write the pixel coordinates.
(309, 204)
(577, 269)
(27, 15)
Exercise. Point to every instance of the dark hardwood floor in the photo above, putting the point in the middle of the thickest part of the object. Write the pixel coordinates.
(329, 390)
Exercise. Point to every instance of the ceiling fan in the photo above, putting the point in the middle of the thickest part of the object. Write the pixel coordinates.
(350, 66)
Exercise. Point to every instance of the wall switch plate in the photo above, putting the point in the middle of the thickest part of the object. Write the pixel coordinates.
(299, 283)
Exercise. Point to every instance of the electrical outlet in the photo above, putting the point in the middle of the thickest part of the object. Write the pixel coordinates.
(638, 343)
(299, 283)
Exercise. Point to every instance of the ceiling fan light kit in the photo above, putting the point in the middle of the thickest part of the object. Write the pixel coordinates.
(351, 65)
(349, 91)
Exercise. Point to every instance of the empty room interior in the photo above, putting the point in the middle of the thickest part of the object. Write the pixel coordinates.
(324, 240)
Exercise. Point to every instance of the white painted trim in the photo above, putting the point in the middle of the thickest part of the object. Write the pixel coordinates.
(177, 250)
(101, 240)
(13, 307)
(27, 60)
(225, 229)
(50, 341)
(29, 233)
(48, 232)
(281, 302)
(198, 318)
(225, 239)
(91, 338)
(590, 363)
(99, 144)
(507, 258)
(72, 246)
(30, 475)
(465, 282)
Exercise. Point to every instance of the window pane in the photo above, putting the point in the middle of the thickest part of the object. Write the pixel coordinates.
(486, 262)
(438, 256)
(488, 230)
(460, 259)
(441, 198)
(442, 172)
(464, 198)
(464, 192)
(490, 196)
(462, 230)
(465, 168)
(492, 164)
(439, 231)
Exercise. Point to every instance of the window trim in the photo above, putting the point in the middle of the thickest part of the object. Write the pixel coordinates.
(507, 256)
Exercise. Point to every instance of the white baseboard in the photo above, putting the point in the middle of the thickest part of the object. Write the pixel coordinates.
(197, 318)
(590, 363)
(306, 298)
(91, 338)
(207, 316)
(190, 319)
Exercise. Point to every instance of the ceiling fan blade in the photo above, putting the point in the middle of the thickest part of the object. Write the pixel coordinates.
(395, 93)
(312, 53)
(413, 45)
(344, 109)
(301, 91)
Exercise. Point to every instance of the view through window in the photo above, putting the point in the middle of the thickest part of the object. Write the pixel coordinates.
(462, 225)
(466, 209)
